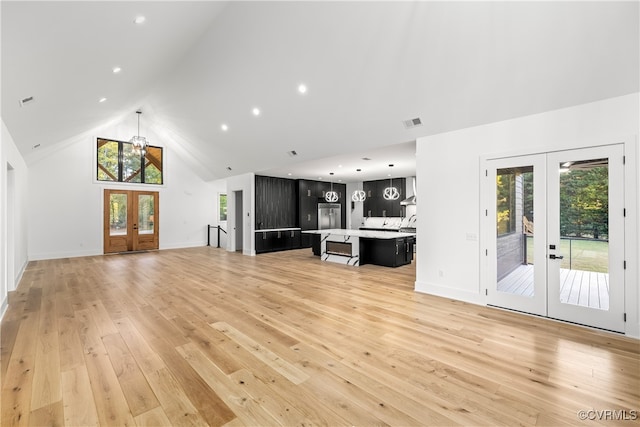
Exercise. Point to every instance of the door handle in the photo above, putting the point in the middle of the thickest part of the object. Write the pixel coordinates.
(552, 256)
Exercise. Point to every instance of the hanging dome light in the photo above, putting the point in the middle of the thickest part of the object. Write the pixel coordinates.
(391, 192)
(331, 196)
(139, 142)
(358, 196)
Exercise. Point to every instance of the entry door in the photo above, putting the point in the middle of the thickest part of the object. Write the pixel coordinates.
(586, 236)
(555, 235)
(130, 220)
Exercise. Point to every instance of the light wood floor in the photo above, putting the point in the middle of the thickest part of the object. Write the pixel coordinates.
(202, 336)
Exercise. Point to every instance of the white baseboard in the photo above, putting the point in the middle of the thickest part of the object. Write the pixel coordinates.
(447, 292)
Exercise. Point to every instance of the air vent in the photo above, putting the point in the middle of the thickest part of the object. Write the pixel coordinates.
(26, 101)
(366, 158)
(292, 153)
(408, 124)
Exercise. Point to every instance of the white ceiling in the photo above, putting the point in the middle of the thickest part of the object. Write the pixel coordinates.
(368, 65)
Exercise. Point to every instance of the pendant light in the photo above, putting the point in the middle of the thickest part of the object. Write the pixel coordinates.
(358, 196)
(139, 142)
(391, 192)
(331, 196)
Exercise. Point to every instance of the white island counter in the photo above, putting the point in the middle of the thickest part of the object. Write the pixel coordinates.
(357, 247)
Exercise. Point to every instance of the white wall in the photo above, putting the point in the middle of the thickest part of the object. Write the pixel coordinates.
(13, 214)
(448, 260)
(66, 203)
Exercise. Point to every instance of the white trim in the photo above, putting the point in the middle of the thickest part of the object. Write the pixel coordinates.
(449, 293)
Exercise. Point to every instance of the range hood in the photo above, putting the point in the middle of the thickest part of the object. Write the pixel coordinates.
(411, 200)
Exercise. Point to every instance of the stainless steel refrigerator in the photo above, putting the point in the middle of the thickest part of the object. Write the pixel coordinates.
(328, 216)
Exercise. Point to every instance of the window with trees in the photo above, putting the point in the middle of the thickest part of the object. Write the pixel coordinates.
(118, 161)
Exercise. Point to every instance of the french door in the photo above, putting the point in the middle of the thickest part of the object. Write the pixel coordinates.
(555, 235)
(130, 220)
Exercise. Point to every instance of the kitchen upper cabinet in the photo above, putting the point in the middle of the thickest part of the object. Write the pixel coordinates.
(276, 203)
(375, 205)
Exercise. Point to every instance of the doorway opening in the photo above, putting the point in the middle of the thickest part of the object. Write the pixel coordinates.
(239, 232)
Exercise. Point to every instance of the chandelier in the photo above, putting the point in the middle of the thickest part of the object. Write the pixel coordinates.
(358, 196)
(391, 192)
(139, 142)
(331, 196)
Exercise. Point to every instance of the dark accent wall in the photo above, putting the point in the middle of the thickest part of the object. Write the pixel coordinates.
(276, 203)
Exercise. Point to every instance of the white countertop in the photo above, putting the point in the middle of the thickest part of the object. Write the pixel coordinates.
(369, 234)
(266, 230)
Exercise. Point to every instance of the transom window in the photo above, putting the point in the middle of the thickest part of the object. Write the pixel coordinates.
(118, 161)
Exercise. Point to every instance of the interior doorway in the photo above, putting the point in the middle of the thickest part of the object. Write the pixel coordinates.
(239, 221)
(131, 220)
(555, 235)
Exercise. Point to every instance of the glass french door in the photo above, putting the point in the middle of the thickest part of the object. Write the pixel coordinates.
(555, 235)
(517, 270)
(130, 220)
(586, 236)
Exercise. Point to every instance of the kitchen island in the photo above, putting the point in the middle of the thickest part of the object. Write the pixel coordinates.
(359, 247)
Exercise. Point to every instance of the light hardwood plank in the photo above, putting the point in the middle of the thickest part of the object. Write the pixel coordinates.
(202, 336)
(79, 406)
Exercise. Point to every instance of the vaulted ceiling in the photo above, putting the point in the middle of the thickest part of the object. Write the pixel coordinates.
(367, 66)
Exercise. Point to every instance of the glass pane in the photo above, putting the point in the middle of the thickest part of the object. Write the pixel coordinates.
(145, 214)
(153, 165)
(223, 207)
(107, 160)
(131, 164)
(514, 230)
(584, 233)
(118, 214)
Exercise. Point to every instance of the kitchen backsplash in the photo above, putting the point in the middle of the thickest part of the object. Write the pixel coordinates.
(390, 222)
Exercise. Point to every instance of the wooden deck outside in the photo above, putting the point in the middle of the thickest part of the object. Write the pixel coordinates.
(578, 287)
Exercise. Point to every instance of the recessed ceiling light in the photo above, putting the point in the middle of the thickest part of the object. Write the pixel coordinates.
(339, 166)
(116, 70)
(289, 174)
(139, 19)
(256, 111)
(224, 127)
(102, 99)
(302, 88)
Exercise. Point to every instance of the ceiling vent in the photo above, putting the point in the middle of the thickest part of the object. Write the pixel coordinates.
(292, 153)
(366, 158)
(408, 124)
(26, 101)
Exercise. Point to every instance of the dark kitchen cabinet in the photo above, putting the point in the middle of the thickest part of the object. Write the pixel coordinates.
(276, 203)
(375, 205)
(387, 252)
(271, 241)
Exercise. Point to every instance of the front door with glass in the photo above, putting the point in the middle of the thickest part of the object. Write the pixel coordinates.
(130, 220)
